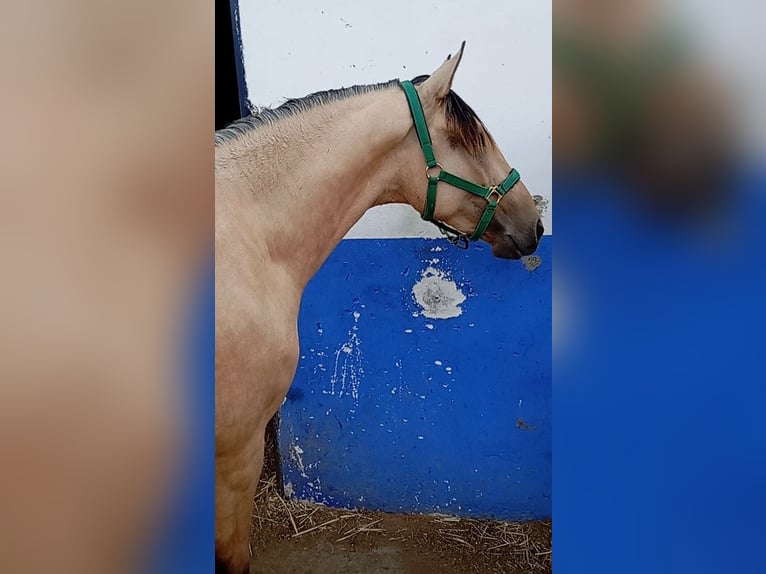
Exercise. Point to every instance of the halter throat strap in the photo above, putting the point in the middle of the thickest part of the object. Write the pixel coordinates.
(436, 173)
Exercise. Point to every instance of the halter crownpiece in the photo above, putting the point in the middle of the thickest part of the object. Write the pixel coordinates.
(493, 194)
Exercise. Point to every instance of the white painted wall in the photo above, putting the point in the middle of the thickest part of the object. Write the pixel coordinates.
(296, 47)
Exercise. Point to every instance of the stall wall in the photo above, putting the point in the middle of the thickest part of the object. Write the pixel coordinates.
(425, 375)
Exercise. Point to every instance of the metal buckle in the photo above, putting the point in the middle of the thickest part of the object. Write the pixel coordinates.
(459, 240)
(494, 190)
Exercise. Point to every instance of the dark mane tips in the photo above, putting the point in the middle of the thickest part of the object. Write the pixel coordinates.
(267, 116)
(463, 125)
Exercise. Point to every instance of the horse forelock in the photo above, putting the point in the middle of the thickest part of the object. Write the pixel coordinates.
(464, 128)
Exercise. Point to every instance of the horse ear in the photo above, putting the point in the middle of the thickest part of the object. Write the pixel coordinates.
(438, 85)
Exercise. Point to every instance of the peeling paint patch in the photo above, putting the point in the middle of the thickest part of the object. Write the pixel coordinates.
(531, 262)
(521, 424)
(438, 296)
(541, 203)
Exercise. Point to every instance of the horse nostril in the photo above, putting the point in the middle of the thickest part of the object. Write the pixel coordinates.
(540, 229)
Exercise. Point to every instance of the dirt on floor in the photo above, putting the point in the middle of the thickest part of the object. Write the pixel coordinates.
(295, 537)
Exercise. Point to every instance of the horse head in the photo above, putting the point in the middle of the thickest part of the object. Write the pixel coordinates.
(472, 193)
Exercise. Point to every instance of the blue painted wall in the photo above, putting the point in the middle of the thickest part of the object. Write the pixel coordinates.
(394, 411)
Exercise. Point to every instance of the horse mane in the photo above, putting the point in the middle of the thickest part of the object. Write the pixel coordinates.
(267, 116)
(463, 125)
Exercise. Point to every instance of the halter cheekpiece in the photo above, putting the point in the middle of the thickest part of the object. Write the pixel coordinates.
(492, 194)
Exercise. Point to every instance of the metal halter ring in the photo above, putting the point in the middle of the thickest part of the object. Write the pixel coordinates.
(429, 168)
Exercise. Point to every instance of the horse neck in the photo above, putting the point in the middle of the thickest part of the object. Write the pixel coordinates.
(310, 177)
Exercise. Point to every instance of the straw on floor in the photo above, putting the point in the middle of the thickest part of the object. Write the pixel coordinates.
(474, 544)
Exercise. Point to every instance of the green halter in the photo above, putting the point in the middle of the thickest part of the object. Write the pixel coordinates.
(493, 194)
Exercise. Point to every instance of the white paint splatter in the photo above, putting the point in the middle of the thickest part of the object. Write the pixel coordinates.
(438, 296)
(429, 326)
(297, 456)
(408, 331)
(349, 370)
(438, 363)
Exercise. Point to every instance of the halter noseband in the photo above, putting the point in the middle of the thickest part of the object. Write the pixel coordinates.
(493, 194)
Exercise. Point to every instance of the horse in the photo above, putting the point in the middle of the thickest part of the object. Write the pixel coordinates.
(289, 184)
